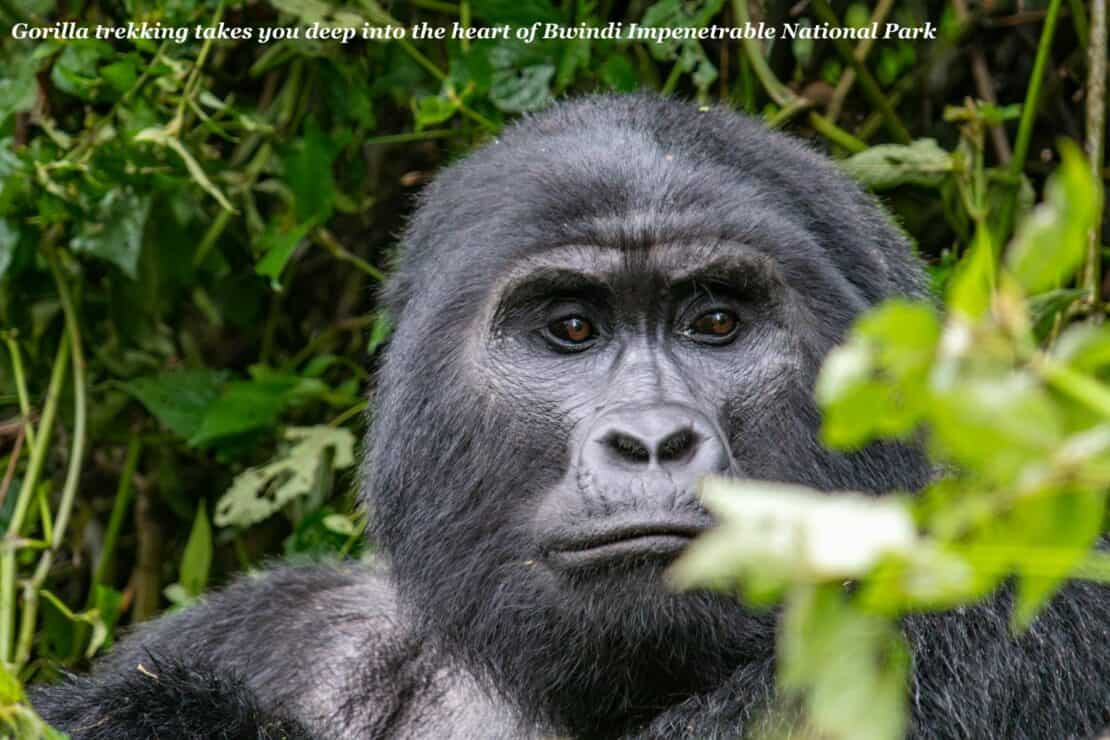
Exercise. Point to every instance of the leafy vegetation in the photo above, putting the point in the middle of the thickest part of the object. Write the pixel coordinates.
(192, 231)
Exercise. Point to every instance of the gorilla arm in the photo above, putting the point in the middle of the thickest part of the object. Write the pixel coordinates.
(971, 678)
(293, 653)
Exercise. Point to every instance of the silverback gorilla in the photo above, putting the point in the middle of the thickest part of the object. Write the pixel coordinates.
(610, 300)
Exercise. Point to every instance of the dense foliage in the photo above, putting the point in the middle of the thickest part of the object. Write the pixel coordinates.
(191, 234)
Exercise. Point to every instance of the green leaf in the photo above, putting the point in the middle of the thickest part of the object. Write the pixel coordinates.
(308, 172)
(197, 558)
(995, 424)
(106, 607)
(17, 81)
(889, 165)
(257, 493)
(619, 73)
(1053, 533)
(972, 284)
(433, 109)
(9, 238)
(1086, 347)
(514, 12)
(114, 229)
(1045, 307)
(380, 332)
(850, 666)
(244, 407)
(179, 399)
(875, 385)
(773, 534)
(121, 74)
(277, 246)
(1051, 243)
(523, 90)
(77, 70)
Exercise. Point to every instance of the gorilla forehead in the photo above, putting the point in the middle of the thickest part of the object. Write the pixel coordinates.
(631, 172)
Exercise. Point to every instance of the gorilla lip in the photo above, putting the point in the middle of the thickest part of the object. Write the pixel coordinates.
(600, 544)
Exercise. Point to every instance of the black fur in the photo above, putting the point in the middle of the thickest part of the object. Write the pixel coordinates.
(465, 631)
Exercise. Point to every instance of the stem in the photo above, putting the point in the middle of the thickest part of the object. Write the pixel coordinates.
(13, 461)
(80, 404)
(21, 387)
(1096, 138)
(672, 79)
(26, 492)
(125, 492)
(73, 471)
(844, 84)
(1079, 387)
(867, 81)
(441, 133)
(1033, 93)
(327, 240)
(778, 92)
(825, 126)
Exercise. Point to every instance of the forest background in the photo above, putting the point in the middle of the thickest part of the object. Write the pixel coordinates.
(192, 233)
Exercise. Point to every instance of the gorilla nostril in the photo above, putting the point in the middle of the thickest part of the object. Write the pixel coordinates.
(678, 446)
(628, 448)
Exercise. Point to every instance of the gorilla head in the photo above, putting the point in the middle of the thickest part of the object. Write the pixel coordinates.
(604, 304)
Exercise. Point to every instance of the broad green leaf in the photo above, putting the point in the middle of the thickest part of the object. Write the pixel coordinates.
(690, 55)
(1086, 347)
(277, 246)
(619, 73)
(114, 230)
(121, 74)
(179, 399)
(196, 561)
(106, 606)
(433, 109)
(875, 385)
(524, 89)
(308, 172)
(889, 165)
(995, 425)
(1052, 241)
(1051, 534)
(514, 12)
(1044, 308)
(973, 281)
(850, 666)
(17, 81)
(772, 534)
(257, 493)
(380, 332)
(77, 70)
(9, 238)
(244, 406)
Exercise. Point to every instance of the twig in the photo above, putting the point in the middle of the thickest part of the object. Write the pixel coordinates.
(1096, 137)
(125, 492)
(23, 501)
(984, 85)
(21, 386)
(12, 462)
(867, 81)
(844, 85)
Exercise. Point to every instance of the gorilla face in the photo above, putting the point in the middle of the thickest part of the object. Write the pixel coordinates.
(592, 313)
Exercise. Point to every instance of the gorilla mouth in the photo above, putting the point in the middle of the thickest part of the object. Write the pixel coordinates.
(610, 542)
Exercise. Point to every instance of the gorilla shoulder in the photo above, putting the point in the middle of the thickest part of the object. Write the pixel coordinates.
(295, 652)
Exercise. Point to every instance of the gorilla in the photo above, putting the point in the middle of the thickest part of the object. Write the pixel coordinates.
(607, 302)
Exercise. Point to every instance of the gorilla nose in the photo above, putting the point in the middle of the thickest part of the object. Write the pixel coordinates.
(673, 439)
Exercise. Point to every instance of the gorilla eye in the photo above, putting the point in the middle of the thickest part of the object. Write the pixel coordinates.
(714, 326)
(573, 331)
